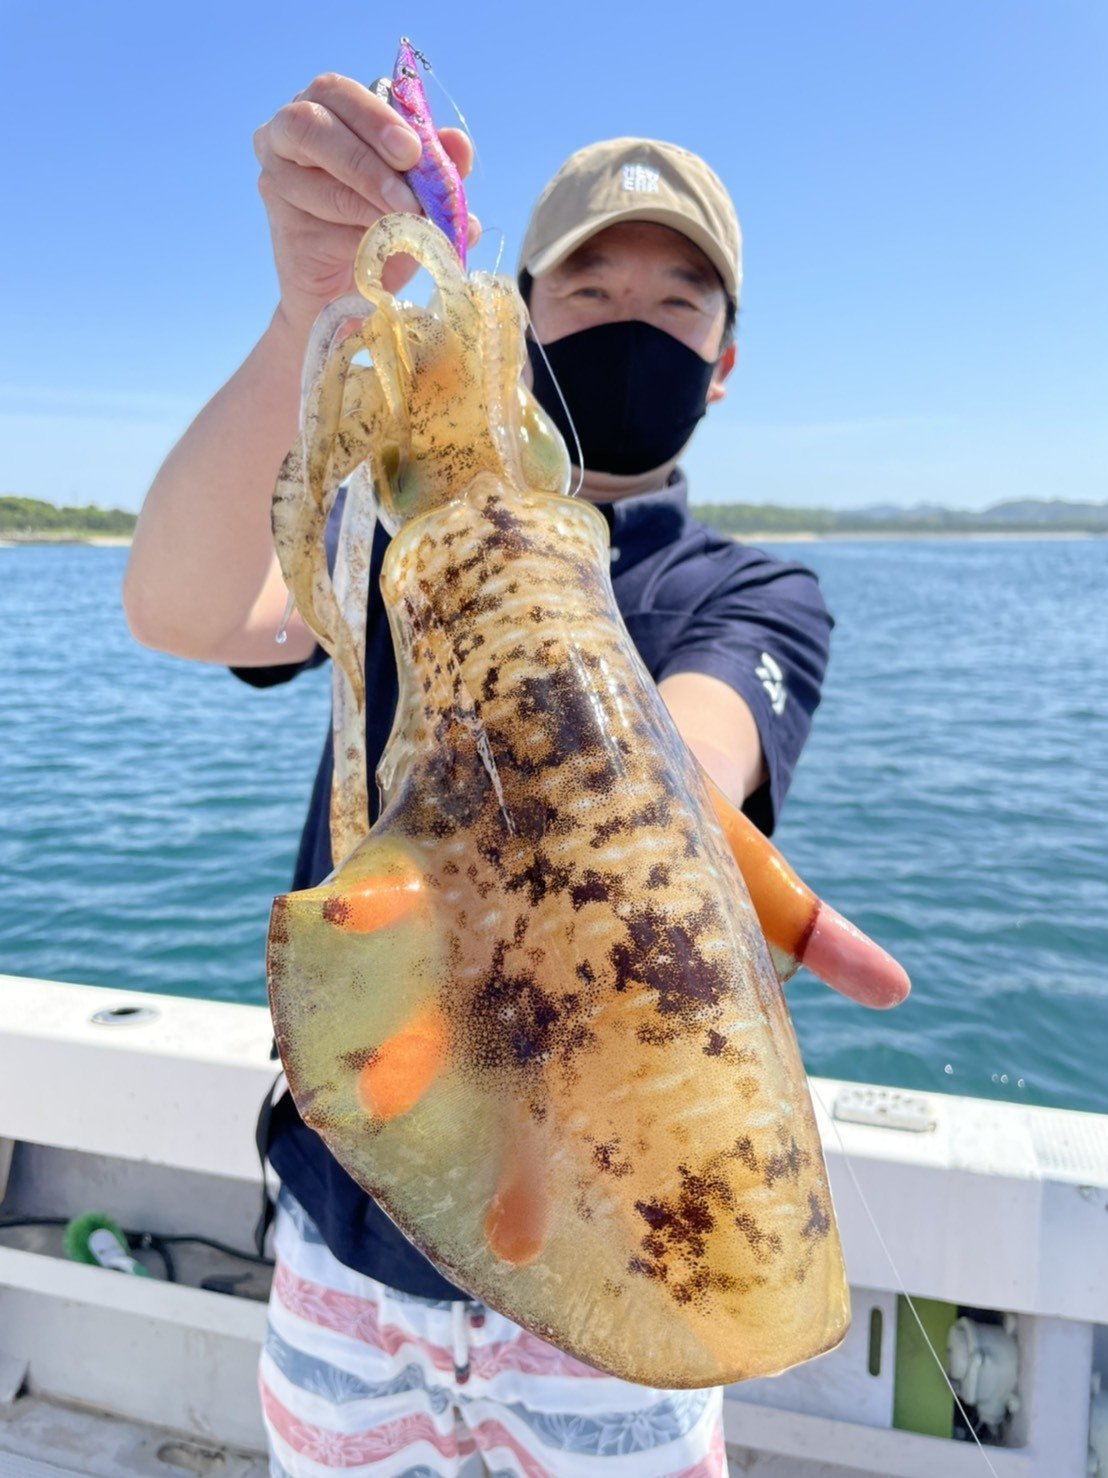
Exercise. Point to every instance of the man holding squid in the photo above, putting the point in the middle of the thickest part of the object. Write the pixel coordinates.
(631, 266)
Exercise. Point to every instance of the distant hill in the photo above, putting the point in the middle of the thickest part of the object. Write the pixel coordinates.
(1024, 517)
(1037, 511)
(29, 519)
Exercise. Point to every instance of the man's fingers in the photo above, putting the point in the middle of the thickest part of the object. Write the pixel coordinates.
(307, 135)
(317, 193)
(459, 146)
(368, 117)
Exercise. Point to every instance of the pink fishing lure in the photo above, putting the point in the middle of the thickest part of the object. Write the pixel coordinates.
(435, 180)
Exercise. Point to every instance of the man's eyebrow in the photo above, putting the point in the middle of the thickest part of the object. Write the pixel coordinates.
(694, 275)
(584, 260)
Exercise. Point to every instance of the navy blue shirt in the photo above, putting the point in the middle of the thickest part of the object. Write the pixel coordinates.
(693, 601)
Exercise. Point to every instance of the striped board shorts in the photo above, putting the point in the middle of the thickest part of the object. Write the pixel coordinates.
(360, 1379)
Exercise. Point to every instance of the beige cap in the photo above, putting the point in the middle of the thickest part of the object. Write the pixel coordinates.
(634, 180)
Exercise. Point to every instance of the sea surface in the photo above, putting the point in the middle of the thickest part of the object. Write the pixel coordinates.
(953, 800)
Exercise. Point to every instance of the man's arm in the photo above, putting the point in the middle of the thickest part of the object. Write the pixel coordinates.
(202, 580)
(743, 675)
(719, 728)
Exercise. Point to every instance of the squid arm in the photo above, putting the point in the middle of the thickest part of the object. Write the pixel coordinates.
(306, 486)
(800, 928)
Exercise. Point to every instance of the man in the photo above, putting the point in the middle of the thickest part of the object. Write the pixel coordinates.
(632, 266)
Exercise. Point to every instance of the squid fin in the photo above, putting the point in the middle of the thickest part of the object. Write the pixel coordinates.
(330, 949)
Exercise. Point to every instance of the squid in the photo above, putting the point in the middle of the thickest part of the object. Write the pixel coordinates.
(536, 1010)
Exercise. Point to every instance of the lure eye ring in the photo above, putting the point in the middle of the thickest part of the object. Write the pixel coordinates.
(406, 41)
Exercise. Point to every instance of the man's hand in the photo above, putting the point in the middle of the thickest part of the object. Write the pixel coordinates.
(332, 164)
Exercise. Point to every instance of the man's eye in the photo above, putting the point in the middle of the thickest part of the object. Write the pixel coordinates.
(679, 303)
(590, 292)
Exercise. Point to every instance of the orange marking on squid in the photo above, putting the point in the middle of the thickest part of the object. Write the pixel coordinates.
(785, 906)
(403, 1068)
(375, 903)
(518, 1217)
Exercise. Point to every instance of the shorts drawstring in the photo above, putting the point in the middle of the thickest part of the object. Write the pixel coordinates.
(459, 1323)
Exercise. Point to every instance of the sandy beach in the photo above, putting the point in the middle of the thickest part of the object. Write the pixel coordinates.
(100, 541)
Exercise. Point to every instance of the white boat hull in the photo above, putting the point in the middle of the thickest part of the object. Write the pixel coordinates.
(150, 1118)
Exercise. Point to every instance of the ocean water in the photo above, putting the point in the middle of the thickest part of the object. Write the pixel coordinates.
(953, 800)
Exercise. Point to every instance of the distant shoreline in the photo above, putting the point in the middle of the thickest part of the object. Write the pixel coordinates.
(755, 536)
(840, 536)
(33, 521)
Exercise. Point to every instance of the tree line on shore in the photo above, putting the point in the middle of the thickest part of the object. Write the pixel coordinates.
(33, 518)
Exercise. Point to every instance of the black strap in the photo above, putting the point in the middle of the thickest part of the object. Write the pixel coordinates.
(261, 1139)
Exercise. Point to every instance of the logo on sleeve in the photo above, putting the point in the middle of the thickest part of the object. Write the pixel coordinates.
(773, 680)
(640, 179)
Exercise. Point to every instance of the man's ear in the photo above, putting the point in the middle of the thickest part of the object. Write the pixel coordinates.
(724, 365)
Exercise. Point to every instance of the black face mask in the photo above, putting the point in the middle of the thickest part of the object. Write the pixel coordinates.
(634, 392)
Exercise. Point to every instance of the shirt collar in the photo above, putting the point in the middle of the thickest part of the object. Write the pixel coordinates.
(646, 522)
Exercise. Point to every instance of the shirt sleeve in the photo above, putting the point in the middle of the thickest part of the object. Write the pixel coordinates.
(284, 672)
(763, 628)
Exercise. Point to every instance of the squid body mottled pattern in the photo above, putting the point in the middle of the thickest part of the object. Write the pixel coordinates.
(533, 1010)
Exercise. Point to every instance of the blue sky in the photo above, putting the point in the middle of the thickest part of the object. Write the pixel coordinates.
(922, 188)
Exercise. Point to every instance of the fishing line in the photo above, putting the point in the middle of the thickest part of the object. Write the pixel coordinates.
(461, 117)
(487, 231)
(565, 407)
(900, 1281)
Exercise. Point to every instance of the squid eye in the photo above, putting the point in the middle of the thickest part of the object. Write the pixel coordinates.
(409, 71)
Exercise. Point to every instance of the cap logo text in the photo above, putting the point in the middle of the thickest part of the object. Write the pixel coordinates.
(641, 179)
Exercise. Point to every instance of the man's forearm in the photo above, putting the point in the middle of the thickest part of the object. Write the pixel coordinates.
(720, 730)
(202, 580)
